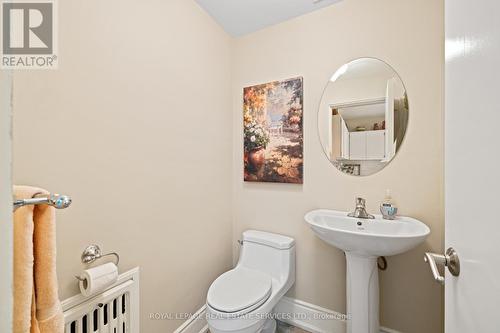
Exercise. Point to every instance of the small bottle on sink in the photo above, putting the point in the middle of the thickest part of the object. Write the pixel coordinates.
(388, 207)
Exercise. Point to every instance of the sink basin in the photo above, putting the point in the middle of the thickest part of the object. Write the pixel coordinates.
(375, 237)
(363, 241)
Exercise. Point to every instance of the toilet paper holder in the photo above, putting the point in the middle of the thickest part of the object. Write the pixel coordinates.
(92, 253)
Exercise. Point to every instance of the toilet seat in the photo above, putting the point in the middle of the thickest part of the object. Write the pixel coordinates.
(240, 291)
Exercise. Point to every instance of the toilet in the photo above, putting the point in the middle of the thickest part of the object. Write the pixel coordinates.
(242, 299)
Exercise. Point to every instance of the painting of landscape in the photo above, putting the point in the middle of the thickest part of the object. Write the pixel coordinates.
(273, 132)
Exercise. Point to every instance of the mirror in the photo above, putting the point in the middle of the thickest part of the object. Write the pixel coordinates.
(363, 116)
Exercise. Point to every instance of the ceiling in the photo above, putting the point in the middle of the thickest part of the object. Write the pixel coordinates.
(240, 17)
(375, 110)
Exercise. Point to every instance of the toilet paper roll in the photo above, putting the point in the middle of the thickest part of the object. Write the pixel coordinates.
(96, 279)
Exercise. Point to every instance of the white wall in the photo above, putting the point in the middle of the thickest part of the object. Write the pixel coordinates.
(135, 126)
(408, 35)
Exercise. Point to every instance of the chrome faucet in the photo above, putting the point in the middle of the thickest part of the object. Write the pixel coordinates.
(360, 211)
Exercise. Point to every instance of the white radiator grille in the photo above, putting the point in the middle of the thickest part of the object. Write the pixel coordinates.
(115, 310)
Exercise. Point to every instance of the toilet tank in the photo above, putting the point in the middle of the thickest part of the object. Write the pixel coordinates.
(269, 253)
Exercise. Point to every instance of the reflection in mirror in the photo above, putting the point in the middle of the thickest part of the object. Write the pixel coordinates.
(363, 116)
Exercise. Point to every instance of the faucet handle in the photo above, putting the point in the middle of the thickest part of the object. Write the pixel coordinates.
(360, 202)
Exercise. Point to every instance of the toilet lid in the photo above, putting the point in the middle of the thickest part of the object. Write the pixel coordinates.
(239, 289)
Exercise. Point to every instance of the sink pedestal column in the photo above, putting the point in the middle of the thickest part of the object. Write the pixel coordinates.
(362, 294)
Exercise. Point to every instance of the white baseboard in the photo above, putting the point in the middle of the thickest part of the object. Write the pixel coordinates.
(306, 316)
(388, 330)
(196, 324)
(310, 317)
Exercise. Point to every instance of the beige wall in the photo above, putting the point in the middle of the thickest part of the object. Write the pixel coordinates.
(408, 35)
(135, 126)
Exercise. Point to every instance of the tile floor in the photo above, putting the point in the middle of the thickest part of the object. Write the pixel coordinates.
(285, 328)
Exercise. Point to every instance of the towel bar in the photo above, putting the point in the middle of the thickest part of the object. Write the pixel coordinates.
(55, 200)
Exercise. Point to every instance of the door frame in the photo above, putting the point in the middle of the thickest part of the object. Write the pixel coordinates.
(6, 227)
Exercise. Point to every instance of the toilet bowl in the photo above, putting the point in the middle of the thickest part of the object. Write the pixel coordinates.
(242, 299)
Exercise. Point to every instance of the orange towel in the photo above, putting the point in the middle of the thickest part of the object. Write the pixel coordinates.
(36, 302)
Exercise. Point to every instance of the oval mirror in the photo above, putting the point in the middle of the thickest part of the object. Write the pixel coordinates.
(363, 116)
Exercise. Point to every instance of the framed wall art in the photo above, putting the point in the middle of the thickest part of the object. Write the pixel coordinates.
(273, 132)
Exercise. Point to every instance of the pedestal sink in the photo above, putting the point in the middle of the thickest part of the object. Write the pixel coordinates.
(363, 240)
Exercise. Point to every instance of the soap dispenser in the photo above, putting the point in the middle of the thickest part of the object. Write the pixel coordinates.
(388, 207)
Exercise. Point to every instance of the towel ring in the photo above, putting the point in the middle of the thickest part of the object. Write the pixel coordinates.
(92, 253)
